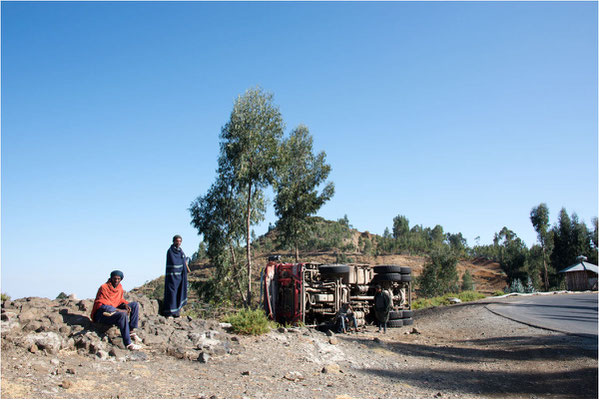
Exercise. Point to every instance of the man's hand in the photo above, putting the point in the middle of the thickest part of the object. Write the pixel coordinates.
(124, 308)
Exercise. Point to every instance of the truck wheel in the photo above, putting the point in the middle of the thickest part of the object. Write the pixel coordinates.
(391, 277)
(406, 270)
(396, 314)
(408, 313)
(386, 269)
(406, 278)
(334, 269)
(395, 323)
(407, 321)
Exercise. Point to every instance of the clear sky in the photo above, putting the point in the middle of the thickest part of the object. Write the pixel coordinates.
(460, 114)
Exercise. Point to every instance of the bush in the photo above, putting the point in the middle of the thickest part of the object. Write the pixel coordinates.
(467, 283)
(444, 300)
(439, 275)
(515, 287)
(4, 297)
(498, 293)
(249, 322)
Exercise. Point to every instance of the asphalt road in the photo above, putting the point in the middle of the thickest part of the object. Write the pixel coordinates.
(569, 313)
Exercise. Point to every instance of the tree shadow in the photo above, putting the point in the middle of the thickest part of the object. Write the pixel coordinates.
(514, 348)
(580, 383)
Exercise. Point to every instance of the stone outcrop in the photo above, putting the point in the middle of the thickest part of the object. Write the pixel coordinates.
(52, 326)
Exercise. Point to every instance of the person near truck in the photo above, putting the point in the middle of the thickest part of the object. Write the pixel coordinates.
(111, 308)
(382, 306)
(345, 315)
(175, 279)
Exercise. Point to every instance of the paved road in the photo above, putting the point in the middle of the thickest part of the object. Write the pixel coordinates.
(569, 313)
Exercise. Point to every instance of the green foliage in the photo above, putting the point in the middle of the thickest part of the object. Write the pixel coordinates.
(498, 293)
(329, 235)
(401, 226)
(299, 175)
(512, 254)
(62, 296)
(444, 300)
(158, 292)
(4, 297)
(467, 282)
(249, 322)
(539, 217)
(439, 275)
(515, 287)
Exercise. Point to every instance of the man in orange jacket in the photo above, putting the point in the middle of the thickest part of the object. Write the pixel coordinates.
(111, 308)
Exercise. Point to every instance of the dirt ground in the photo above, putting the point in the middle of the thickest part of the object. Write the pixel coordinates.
(461, 351)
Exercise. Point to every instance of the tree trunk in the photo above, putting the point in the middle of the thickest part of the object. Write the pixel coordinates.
(545, 269)
(296, 254)
(235, 277)
(249, 250)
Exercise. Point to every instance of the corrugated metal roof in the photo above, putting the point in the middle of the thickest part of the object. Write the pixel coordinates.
(581, 266)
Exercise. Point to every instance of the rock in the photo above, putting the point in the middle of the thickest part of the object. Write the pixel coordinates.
(73, 297)
(203, 358)
(282, 329)
(234, 339)
(102, 355)
(246, 373)
(331, 369)
(293, 330)
(154, 339)
(176, 352)
(225, 325)
(117, 353)
(66, 384)
(8, 316)
(137, 356)
(415, 331)
(376, 340)
(454, 300)
(33, 326)
(294, 376)
(330, 333)
(70, 371)
(33, 348)
(333, 340)
(55, 361)
(49, 341)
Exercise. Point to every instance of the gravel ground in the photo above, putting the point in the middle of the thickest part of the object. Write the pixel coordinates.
(461, 351)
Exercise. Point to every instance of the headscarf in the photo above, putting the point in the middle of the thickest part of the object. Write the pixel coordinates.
(116, 272)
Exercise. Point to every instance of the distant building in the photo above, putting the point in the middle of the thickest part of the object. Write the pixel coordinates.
(581, 276)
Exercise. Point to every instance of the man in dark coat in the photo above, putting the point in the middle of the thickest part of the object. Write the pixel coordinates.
(382, 305)
(175, 279)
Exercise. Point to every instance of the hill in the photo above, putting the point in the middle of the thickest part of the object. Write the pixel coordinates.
(343, 248)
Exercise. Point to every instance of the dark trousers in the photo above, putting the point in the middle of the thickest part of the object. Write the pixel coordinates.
(121, 319)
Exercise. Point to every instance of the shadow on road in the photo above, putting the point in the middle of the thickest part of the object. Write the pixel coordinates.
(580, 383)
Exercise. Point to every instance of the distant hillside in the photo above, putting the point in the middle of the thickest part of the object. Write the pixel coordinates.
(488, 276)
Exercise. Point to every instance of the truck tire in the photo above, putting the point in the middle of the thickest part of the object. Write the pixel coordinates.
(391, 277)
(386, 269)
(407, 321)
(398, 314)
(406, 278)
(408, 313)
(395, 323)
(406, 270)
(334, 269)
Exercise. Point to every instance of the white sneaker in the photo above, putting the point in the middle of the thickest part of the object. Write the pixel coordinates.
(133, 346)
(135, 338)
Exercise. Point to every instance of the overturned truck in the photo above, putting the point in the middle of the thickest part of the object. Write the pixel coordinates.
(312, 293)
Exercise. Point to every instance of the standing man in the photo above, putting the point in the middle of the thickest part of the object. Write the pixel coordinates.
(111, 308)
(382, 305)
(175, 279)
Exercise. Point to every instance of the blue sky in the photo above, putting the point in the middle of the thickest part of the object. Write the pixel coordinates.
(460, 114)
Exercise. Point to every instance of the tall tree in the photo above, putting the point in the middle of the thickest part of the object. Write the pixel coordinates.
(539, 216)
(439, 275)
(297, 183)
(250, 144)
(512, 255)
(401, 226)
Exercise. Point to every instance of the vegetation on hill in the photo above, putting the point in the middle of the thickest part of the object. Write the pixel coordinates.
(255, 155)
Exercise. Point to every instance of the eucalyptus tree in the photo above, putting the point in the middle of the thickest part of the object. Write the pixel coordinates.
(539, 216)
(299, 176)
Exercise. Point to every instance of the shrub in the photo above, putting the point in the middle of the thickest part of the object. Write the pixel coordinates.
(498, 293)
(467, 283)
(4, 297)
(444, 300)
(249, 322)
(516, 287)
(439, 275)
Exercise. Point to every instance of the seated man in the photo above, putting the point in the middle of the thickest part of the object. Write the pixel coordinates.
(344, 315)
(111, 308)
